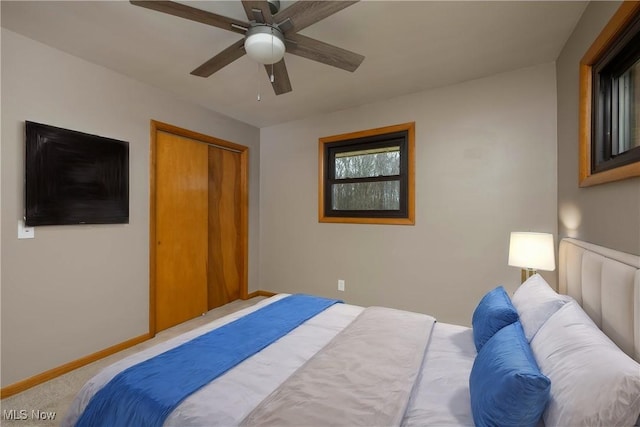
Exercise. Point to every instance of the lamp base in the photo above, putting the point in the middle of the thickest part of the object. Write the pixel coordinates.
(526, 273)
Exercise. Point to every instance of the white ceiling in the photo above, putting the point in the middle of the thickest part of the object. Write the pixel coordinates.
(408, 46)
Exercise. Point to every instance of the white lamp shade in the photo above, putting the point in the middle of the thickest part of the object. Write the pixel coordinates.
(264, 48)
(532, 250)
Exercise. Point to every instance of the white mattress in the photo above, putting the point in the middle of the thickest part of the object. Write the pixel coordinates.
(441, 395)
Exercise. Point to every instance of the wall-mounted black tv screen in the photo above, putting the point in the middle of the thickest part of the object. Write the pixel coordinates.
(74, 177)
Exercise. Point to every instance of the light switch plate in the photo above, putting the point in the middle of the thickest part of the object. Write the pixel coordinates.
(25, 232)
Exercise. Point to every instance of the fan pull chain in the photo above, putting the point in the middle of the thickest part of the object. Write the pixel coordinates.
(259, 98)
(272, 77)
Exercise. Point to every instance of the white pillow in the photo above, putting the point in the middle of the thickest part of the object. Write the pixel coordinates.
(535, 302)
(593, 382)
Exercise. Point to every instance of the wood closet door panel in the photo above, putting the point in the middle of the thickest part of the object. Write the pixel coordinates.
(181, 229)
(225, 231)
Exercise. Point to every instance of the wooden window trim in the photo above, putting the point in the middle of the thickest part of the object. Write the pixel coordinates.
(410, 218)
(623, 16)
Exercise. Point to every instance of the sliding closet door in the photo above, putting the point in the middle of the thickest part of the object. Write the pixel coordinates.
(181, 229)
(226, 254)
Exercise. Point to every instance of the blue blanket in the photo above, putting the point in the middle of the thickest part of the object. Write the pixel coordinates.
(145, 394)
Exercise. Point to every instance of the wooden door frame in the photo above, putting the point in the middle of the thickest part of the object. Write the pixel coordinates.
(244, 206)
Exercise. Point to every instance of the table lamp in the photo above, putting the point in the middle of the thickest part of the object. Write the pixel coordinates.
(531, 252)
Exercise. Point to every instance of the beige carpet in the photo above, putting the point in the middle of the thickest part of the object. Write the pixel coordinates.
(56, 395)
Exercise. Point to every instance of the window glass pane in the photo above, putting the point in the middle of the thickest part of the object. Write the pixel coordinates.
(628, 125)
(380, 195)
(368, 163)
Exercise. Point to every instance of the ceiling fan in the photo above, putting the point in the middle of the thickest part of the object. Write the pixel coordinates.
(268, 34)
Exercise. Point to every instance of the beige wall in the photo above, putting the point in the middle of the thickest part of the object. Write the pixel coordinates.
(74, 290)
(607, 214)
(486, 166)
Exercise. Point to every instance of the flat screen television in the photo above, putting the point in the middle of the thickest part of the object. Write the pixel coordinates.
(74, 177)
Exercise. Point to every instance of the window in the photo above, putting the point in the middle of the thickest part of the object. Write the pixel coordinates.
(610, 101)
(367, 177)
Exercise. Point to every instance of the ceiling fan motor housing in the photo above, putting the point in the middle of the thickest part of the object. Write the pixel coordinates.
(264, 43)
(274, 6)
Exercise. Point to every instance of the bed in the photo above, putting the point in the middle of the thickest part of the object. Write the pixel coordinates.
(325, 371)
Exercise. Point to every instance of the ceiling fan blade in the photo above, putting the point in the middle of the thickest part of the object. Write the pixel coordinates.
(304, 13)
(258, 10)
(221, 60)
(325, 53)
(280, 83)
(193, 14)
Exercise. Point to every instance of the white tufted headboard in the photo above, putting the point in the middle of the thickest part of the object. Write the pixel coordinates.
(606, 283)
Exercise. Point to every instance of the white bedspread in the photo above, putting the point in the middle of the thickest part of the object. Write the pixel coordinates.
(441, 396)
(229, 399)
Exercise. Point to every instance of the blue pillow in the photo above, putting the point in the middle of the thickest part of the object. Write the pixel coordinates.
(506, 385)
(494, 312)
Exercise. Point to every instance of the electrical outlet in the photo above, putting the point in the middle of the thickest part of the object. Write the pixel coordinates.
(341, 285)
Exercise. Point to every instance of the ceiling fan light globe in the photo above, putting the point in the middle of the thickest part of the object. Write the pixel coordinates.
(264, 47)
